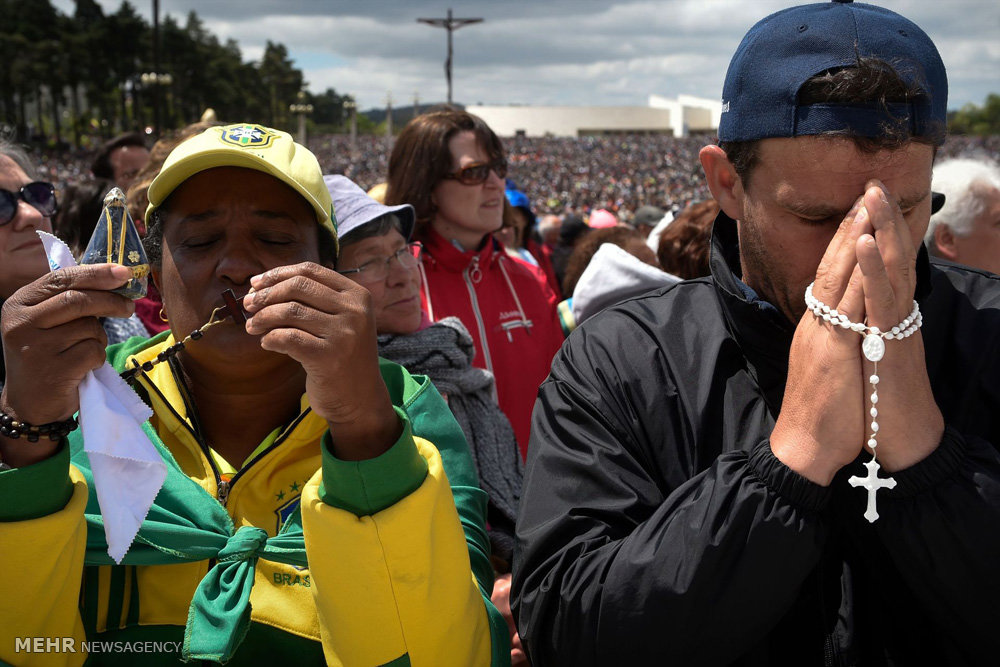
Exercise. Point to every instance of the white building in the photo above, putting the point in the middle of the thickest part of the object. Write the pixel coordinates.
(678, 117)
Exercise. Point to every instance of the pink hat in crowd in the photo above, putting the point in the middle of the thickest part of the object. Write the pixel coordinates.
(602, 218)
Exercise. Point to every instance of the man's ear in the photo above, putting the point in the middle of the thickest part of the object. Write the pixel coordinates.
(723, 181)
(155, 275)
(944, 239)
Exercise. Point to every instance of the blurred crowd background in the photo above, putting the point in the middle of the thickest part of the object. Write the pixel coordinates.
(560, 175)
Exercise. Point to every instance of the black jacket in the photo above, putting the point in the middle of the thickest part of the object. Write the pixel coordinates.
(657, 528)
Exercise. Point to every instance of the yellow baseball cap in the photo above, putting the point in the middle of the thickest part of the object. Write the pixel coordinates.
(253, 147)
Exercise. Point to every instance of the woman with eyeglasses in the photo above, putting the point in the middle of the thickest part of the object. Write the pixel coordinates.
(376, 253)
(450, 166)
(26, 207)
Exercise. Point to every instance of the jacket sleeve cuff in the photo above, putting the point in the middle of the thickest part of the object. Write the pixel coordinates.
(367, 487)
(785, 482)
(37, 490)
(943, 463)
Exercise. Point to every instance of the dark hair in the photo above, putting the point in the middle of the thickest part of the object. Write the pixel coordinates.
(152, 242)
(684, 245)
(79, 210)
(378, 227)
(870, 81)
(101, 168)
(421, 158)
(584, 252)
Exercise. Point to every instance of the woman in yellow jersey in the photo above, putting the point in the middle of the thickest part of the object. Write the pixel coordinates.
(320, 503)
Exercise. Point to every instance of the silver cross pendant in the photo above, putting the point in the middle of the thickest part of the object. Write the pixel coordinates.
(872, 483)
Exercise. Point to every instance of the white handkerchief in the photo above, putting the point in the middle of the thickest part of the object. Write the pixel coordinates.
(128, 471)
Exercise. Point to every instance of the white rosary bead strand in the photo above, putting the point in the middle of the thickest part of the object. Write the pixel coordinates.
(873, 381)
(873, 348)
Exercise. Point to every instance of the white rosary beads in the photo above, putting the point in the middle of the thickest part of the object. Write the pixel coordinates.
(873, 347)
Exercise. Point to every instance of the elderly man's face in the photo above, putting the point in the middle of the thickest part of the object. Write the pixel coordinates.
(797, 195)
(981, 246)
(222, 227)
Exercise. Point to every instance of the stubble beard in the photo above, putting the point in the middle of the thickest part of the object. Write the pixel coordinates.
(762, 272)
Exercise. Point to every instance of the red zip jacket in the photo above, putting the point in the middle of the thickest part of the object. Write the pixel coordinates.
(507, 307)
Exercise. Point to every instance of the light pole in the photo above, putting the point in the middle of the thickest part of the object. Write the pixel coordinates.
(156, 78)
(302, 109)
(388, 114)
(451, 25)
(154, 81)
(351, 108)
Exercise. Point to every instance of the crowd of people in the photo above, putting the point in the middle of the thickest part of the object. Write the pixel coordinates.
(560, 175)
(453, 399)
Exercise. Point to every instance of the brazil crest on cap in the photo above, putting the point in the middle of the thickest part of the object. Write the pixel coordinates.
(248, 146)
(247, 136)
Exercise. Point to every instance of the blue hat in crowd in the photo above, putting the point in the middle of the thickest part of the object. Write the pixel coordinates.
(518, 199)
(784, 50)
(354, 208)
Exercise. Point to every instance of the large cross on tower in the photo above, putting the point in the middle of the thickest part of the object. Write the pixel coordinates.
(872, 483)
(450, 24)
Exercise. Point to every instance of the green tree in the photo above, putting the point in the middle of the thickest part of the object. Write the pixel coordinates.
(328, 110)
(128, 50)
(92, 63)
(977, 120)
(282, 82)
(29, 30)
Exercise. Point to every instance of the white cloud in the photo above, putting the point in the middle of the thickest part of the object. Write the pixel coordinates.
(553, 52)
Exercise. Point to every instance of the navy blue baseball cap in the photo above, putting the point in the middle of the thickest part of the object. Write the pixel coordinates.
(784, 50)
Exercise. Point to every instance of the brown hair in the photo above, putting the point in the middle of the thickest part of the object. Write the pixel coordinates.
(619, 235)
(422, 158)
(684, 245)
(870, 81)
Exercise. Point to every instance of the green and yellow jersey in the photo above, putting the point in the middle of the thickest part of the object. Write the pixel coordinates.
(398, 566)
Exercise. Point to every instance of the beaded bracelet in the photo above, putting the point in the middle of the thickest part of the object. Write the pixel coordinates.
(54, 431)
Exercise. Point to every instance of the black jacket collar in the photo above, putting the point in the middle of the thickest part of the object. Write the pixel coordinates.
(761, 330)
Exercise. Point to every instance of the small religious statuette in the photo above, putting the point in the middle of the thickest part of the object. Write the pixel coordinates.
(872, 483)
(115, 240)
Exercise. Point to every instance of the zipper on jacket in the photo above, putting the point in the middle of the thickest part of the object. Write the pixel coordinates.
(195, 432)
(222, 492)
(828, 653)
(514, 324)
(472, 274)
(223, 487)
(475, 273)
(525, 322)
(228, 486)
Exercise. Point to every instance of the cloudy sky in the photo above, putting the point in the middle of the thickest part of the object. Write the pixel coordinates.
(573, 52)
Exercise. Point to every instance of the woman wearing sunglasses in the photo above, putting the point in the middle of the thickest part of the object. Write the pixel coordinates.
(375, 253)
(26, 207)
(450, 166)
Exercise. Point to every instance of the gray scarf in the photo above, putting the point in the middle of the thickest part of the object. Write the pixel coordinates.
(443, 352)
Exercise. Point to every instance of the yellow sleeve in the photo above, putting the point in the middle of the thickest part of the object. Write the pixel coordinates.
(397, 583)
(42, 562)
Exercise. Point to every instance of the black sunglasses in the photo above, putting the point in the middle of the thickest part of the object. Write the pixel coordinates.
(39, 194)
(477, 172)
